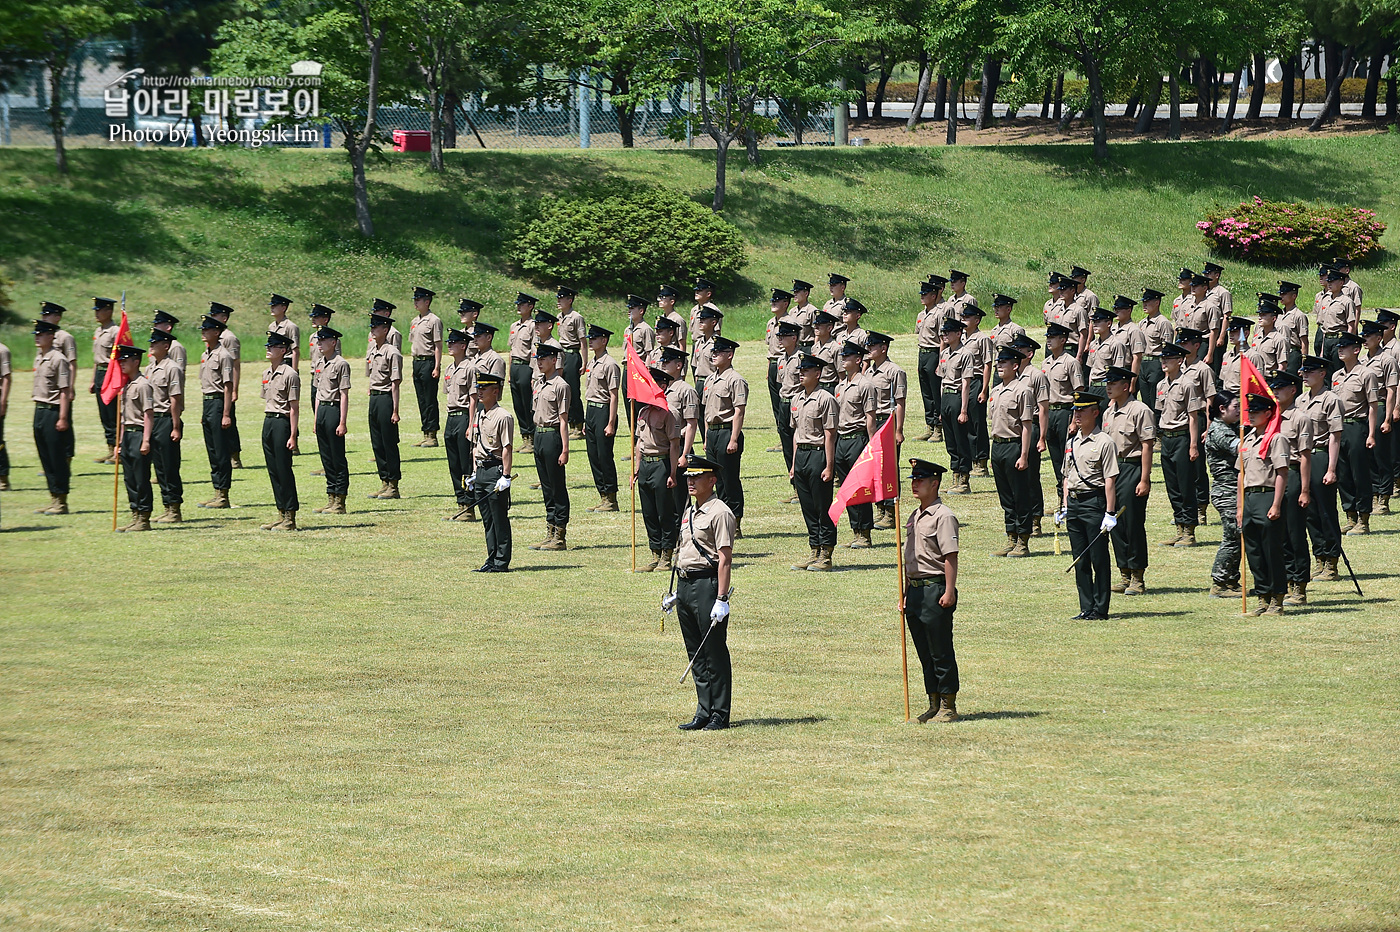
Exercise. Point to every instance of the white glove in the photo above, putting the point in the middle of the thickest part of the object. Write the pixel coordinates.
(1109, 523)
(668, 603)
(720, 612)
(502, 483)
(471, 483)
(1059, 518)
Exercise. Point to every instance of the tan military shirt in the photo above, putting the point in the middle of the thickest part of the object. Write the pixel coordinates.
(52, 377)
(1130, 426)
(656, 428)
(770, 336)
(890, 382)
(522, 340)
(1039, 383)
(725, 392)
(289, 330)
(102, 340)
(1272, 351)
(930, 536)
(385, 367)
(1090, 461)
(1296, 428)
(654, 357)
(1009, 405)
(683, 327)
(1110, 351)
(1090, 299)
(280, 387)
(694, 322)
(5, 368)
(806, 319)
(333, 379)
(857, 336)
(231, 346)
(684, 401)
(167, 380)
(1065, 375)
(1053, 309)
(834, 307)
(1294, 327)
(1324, 413)
(68, 347)
(826, 352)
(573, 330)
(1205, 379)
(952, 368)
(642, 336)
(1222, 297)
(1353, 291)
(1334, 314)
(551, 400)
(1131, 334)
(1004, 334)
(424, 334)
(1230, 368)
(1386, 368)
(1177, 400)
(604, 378)
(215, 370)
(489, 362)
(535, 356)
(789, 376)
(1205, 315)
(136, 401)
(701, 362)
(1356, 390)
(928, 326)
(457, 381)
(495, 430)
(395, 339)
(979, 353)
(1181, 309)
(1156, 332)
(856, 397)
(709, 528)
(314, 356)
(1261, 467)
(811, 414)
(1075, 316)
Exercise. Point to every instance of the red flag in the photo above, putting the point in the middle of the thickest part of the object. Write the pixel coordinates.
(1252, 383)
(875, 475)
(640, 385)
(114, 381)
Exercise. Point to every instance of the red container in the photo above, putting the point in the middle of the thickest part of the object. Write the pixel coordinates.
(412, 140)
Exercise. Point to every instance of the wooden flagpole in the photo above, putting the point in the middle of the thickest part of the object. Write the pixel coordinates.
(1239, 501)
(117, 453)
(632, 467)
(903, 639)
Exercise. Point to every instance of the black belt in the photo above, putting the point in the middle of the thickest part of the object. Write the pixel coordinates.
(811, 446)
(1174, 432)
(698, 574)
(1086, 496)
(45, 404)
(458, 413)
(544, 430)
(1152, 355)
(598, 404)
(423, 357)
(213, 394)
(921, 583)
(517, 361)
(1258, 488)
(491, 462)
(1006, 440)
(655, 458)
(374, 392)
(952, 391)
(1321, 449)
(1294, 465)
(335, 403)
(716, 425)
(571, 349)
(854, 433)
(100, 365)
(1133, 459)
(1352, 420)
(284, 417)
(1334, 334)
(1061, 406)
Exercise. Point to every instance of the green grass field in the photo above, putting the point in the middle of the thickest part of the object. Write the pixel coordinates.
(180, 229)
(213, 727)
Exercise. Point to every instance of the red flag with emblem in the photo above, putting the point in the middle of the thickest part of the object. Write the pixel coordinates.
(1252, 382)
(114, 381)
(640, 385)
(875, 475)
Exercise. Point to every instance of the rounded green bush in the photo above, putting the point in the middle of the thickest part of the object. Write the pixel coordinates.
(1284, 234)
(626, 241)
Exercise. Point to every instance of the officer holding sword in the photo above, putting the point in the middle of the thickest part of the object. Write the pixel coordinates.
(494, 439)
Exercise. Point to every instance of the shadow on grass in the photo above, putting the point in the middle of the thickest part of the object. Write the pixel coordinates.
(545, 568)
(337, 527)
(993, 716)
(778, 722)
(31, 527)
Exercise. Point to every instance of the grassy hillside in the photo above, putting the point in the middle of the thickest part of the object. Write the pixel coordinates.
(179, 229)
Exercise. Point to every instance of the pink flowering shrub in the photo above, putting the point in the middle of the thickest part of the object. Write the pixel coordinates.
(1284, 234)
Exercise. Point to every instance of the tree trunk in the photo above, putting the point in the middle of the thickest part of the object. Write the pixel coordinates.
(1256, 90)
(357, 170)
(721, 154)
(1149, 107)
(1131, 108)
(1229, 120)
(197, 121)
(1302, 86)
(991, 77)
(1045, 102)
(1285, 92)
(1059, 96)
(921, 95)
(1174, 114)
(1373, 86)
(951, 137)
(940, 98)
(621, 85)
(450, 103)
(880, 90)
(863, 102)
(1334, 75)
(359, 147)
(1334, 92)
(1204, 70)
(1391, 104)
(1096, 107)
(58, 63)
(434, 128)
(751, 146)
